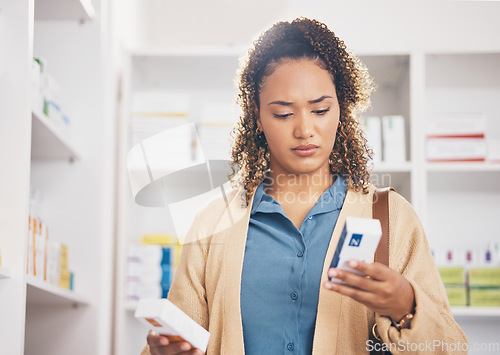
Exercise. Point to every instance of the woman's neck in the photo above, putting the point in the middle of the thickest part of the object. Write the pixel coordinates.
(287, 188)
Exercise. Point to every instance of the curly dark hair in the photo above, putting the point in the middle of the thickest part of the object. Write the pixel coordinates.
(309, 39)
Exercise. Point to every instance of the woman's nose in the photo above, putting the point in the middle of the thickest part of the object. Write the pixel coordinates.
(303, 128)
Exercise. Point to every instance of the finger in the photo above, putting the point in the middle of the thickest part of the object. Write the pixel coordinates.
(154, 339)
(375, 270)
(354, 280)
(366, 298)
(192, 352)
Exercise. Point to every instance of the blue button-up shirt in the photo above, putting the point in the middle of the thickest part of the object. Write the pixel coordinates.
(282, 272)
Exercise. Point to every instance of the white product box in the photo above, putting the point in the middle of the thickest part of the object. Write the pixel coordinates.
(41, 240)
(164, 317)
(394, 140)
(373, 129)
(145, 273)
(456, 149)
(458, 125)
(145, 254)
(54, 253)
(359, 241)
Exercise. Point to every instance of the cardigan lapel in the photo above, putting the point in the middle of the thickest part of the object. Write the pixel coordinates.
(235, 240)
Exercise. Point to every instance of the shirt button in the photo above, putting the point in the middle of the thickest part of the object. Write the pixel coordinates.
(310, 217)
(300, 253)
(294, 295)
(290, 346)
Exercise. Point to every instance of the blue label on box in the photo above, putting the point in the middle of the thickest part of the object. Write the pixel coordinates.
(355, 240)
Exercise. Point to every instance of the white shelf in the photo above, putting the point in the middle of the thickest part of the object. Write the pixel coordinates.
(465, 166)
(48, 142)
(396, 168)
(42, 293)
(64, 10)
(4, 272)
(476, 311)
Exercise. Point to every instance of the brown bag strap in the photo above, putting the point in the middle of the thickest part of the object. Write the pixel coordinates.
(380, 210)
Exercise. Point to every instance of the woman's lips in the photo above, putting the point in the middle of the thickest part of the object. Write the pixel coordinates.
(305, 150)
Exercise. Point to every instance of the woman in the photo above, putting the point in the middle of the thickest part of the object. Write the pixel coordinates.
(259, 283)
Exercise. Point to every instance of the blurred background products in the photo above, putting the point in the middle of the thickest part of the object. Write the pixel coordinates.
(471, 277)
(151, 266)
(456, 137)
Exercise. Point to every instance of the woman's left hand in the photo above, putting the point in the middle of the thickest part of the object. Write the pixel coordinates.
(385, 291)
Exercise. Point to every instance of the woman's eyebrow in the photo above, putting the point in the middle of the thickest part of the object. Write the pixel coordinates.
(286, 103)
(283, 103)
(315, 101)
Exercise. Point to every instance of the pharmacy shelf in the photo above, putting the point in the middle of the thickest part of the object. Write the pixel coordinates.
(4, 272)
(465, 166)
(396, 168)
(48, 142)
(476, 311)
(64, 10)
(42, 293)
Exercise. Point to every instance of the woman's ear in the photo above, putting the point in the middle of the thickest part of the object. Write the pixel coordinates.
(257, 120)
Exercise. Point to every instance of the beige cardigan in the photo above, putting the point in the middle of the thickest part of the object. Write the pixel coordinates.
(207, 283)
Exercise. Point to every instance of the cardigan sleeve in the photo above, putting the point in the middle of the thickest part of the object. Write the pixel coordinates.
(188, 287)
(433, 329)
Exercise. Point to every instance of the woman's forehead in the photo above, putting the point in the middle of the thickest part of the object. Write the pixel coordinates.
(298, 79)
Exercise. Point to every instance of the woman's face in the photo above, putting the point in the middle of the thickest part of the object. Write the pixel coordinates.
(299, 114)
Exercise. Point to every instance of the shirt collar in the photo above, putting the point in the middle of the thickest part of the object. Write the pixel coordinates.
(331, 199)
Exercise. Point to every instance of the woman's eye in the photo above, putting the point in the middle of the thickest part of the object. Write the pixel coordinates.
(321, 112)
(283, 115)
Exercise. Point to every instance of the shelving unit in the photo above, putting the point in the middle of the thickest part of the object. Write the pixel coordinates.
(464, 167)
(39, 318)
(42, 293)
(48, 142)
(491, 312)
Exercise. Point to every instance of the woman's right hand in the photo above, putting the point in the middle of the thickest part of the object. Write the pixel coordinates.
(160, 345)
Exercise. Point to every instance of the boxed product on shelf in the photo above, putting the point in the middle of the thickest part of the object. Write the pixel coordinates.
(456, 137)
(456, 149)
(40, 251)
(149, 271)
(54, 105)
(454, 276)
(484, 276)
(456, 125)
(484, 296)
(372, 127)
(37, 248)
(394, 139)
